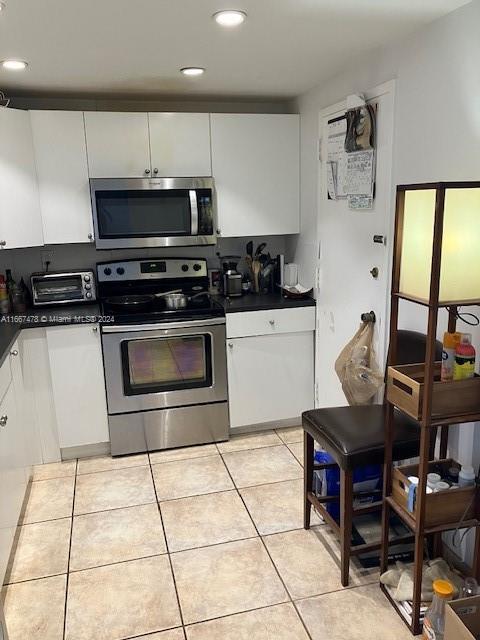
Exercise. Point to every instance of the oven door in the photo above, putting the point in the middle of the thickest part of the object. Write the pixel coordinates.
(152, 212)
(164, 365)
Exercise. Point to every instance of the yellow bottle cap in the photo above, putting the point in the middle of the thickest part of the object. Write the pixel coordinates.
(443, 588)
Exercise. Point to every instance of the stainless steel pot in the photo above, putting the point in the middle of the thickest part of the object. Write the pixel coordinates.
(176, 301)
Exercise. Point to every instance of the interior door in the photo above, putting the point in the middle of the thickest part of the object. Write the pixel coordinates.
(347, 253)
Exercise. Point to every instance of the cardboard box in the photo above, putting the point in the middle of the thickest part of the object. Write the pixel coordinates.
(462, 619)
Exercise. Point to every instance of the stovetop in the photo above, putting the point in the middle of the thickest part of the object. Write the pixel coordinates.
(157, 312)
(151, 276)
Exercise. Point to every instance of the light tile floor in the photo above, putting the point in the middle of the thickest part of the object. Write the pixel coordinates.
(201, 543)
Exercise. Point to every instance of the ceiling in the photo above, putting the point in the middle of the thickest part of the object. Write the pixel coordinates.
(136, 47)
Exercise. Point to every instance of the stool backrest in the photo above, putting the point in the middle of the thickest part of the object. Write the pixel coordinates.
(412, 346)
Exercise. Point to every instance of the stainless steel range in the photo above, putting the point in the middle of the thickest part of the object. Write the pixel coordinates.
(165, 369)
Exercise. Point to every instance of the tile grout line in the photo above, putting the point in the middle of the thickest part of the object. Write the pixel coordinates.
(69, 553)
(268, 553)
(168, 551)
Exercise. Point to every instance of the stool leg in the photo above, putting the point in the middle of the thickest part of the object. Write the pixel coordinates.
(307, 477)
(346, 517)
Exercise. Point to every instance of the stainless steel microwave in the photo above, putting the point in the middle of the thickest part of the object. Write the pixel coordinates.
(130, 213)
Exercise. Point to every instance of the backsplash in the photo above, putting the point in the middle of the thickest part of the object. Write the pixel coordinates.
(23, 262)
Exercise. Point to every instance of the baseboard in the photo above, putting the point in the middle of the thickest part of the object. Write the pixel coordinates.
(266, 426)
(86, 451)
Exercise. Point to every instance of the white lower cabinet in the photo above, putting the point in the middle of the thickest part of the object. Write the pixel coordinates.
(270, 377)
(13, 466)
(76, 368)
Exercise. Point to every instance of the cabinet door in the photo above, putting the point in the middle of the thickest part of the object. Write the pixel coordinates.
(180, 144)
(256, 165)
(76, 366)
(117, 144)
(270, 378)
(20, 220)
(61, 158)
(13, 483)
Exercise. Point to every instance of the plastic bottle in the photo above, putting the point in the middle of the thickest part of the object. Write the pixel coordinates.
(450, 342)
(464, 366)
(466, 477)
(434, 622)
(4, 300)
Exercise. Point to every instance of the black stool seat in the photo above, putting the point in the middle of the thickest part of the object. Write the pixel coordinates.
(355, 436)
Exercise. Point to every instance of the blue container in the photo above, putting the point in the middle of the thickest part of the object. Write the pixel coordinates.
(327, 482)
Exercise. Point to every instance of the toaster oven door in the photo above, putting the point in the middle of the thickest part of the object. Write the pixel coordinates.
(60, 288)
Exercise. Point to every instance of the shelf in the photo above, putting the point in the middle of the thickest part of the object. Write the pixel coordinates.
(412, 524)
(439, 305)
(444, 420)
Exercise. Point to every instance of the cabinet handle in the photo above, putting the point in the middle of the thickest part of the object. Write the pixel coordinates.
(94, 329)
(3, 243)
(14, 353)
(90, 237)
(155, 171)
(219, 232)
(3, 421)
(272, 322)
(230, 345)
(147, 171)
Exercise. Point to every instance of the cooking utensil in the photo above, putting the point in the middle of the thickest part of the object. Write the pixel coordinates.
(138, 301)
(260, 248)
(176, 301)
(256, 268)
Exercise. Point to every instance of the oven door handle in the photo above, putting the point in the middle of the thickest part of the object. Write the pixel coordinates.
(162, 326)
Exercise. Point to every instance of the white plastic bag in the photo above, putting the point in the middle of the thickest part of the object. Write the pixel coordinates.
(357, 369)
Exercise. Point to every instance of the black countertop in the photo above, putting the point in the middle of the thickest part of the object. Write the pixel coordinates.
(262, 302)
(11, 325)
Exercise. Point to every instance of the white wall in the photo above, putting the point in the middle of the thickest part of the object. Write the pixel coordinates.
(436, 137)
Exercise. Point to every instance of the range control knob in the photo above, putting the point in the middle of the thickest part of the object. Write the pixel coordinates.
(184, 267)
(120, 271)
(107, 271)
(197, 267)
(88, 294)
(86, 278)
(88, 286)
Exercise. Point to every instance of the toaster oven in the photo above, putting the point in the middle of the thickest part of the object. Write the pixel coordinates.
(63, 287)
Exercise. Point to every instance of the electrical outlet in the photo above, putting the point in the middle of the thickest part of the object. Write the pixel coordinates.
(46, 255)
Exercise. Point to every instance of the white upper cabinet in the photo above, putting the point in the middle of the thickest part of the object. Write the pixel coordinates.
(117, 144)
(61, 158)
(256, 166)
(180, 144)
(20, 220)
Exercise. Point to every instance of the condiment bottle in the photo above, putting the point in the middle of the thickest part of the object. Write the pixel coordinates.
(4, 299)
(466, 477)
(464, 366)
(434, 622)
(450, 342)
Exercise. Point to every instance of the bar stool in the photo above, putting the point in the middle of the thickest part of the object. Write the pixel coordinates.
(354, 437)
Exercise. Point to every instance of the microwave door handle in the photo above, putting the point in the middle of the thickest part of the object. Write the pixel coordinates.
(194, 209)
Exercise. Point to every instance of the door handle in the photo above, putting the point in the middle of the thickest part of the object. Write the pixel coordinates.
(3, 421)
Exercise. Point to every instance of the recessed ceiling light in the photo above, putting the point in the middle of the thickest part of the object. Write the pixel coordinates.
(230, 18)
(14, 65)
(192, 71)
